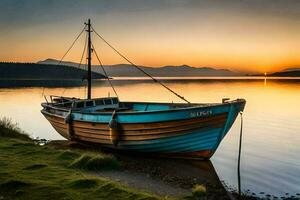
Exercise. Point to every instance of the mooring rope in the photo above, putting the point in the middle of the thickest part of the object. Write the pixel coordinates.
(124, 57)
(239, 157)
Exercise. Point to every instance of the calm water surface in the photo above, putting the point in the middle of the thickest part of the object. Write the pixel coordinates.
(271, 143)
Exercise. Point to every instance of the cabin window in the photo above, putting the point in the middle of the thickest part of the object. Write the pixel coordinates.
(115, 101)
(80, 104)
(99, 102)
(107, 101)
(89, 103)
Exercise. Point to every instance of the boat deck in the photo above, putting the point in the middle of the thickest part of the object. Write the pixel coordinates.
(110, 104)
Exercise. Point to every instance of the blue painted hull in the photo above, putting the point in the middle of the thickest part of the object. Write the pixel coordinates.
(194, 131)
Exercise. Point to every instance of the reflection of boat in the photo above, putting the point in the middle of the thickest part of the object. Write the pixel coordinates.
(184, 173)
(172, 129)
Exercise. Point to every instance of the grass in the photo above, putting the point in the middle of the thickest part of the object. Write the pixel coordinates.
(68, 155)
(35, 167)
(30, 171)
(95, 162)
(199, 192)
(84, 183)
(10, 129)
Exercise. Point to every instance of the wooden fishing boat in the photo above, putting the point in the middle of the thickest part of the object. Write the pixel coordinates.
(186, 130)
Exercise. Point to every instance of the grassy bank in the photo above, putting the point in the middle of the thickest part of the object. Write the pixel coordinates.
(30, 171)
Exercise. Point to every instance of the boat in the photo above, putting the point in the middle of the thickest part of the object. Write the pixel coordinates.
(180, 130)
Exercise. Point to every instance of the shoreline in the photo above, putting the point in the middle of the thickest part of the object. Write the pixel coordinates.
(168, 173)
(72, 170)
(69, 170)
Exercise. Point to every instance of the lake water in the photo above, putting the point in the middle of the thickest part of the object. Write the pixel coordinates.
(271, 135)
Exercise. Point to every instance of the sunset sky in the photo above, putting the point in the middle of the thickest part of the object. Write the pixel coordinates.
(241, 35)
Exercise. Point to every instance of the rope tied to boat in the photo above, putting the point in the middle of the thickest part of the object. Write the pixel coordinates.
(68, 118)
(78, 36)
(111, 85)
(239, 156)
(114, 129)
(69, 121)
(139, 68)
(124, 57)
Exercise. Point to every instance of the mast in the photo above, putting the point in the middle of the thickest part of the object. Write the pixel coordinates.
(89, 58)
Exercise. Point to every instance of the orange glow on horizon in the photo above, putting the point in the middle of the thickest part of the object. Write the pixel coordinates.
(219, 38)
(158, 59)
(236, 56)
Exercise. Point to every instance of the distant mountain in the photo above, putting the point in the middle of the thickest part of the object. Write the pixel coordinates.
(126, 70)
(291, 69)
(295, 73)
(288, 72)
(42, 72)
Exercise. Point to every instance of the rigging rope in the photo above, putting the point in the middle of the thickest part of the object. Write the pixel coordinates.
(84, 48)
(71, 45)
(154, 79)
(85, 88)
(104, 71)
(86, 38)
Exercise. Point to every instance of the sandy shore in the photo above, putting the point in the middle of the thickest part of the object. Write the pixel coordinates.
(161, 176)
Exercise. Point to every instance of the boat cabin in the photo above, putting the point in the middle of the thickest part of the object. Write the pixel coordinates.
(98, 104)
(107, 103)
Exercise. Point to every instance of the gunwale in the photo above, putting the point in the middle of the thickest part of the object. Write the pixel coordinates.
(193, 106)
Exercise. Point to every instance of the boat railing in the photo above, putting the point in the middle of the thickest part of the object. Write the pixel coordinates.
(60, 101)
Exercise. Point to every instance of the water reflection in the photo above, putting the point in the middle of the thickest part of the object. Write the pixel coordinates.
(270, 156)
(182, 173)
